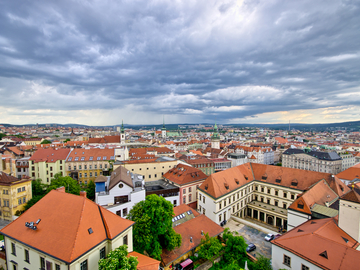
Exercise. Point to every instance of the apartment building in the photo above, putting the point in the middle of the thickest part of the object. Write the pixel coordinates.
(45, 163)
(258, 191)
(84, 165)
(348, 159)
(188, 179)
(14, 194)
(152, 169)
(307, 159)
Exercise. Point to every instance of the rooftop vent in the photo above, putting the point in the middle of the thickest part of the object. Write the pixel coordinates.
(246, 178)
(345, 239)
(191, 239)
(236, 181)
(299, 230)
(324, 254)
(312, 222)
(206, 187)
(226, 186)
(202, 232)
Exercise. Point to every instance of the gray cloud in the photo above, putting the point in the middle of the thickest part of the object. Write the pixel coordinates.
(197, 59)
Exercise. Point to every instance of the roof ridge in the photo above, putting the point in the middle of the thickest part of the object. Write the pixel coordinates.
(77, 231)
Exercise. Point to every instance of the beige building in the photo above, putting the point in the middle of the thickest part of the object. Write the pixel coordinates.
(64, 231)
(327, 162)
(258, 191)
(45, 163)
(84, 165)
(14, 194)
(151, 169)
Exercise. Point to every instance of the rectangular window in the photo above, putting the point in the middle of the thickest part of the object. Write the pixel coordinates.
(13, 249)
(100, 166)
(102, 253)
(57, 267)
(304, 267)
(90, 167)
(19, 201)
(184, 200)
(27, 257)
(42, 263)
(125, 240)
(51, 169)
(189, 189)
(74, 168)
(85, 174)
(95, 166)
(80, 175)
(95, 173)
(84, 265)
(189, 198)
(125, 212)
(184, 190)
(285, 194)
(79, 167)
(90, 174)
(69, 168)
(19, 190)
(287, 260)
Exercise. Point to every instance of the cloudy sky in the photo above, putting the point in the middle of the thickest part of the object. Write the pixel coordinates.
(97, 62)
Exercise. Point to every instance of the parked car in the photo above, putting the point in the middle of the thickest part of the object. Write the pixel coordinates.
(277, 236)
(250, 247)
(269, 237)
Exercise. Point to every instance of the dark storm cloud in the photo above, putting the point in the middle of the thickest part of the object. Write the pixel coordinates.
(223, 59)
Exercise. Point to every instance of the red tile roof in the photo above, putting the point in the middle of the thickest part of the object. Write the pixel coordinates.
(92, 154)
(7, 180)
(314, 237)
(320, 193)
(350, 173)
(183, 174)
(191, 228)
(216, 184)
(145, 262)
(50, 155)
(351, 196)
(65, 221)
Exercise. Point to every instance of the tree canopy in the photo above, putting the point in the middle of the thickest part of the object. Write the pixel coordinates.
(71, 185)
(210, 246)
(45, 142)
(117, 259)
(90, 190)
(153, 230)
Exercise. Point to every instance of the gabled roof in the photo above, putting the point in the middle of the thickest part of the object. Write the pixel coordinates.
(319, 194)
(351, 196)
(183, 174)
(322, 236)
(63, 231)
(121, 174)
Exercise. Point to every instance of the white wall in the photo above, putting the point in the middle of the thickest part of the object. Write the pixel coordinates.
(349, 218)
(277, 258)
(295, 218)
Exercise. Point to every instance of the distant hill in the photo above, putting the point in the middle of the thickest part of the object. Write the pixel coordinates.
(354, 126)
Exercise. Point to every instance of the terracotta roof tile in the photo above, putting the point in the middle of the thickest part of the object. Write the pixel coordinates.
(145, 262)
(313, 237)
(183, 174)
(65, 221)
(50, 155)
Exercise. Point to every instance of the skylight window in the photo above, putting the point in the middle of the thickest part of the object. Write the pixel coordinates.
(98, 158)
(104, 158)
(90, 230)
(112, 157)
(76, 158)
(82, 158)
(70, 159)
(91, 158)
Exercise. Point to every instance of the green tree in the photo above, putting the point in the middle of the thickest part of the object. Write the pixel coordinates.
(71, 185)
(38, 188)
(262, 263)
(117, 259)
(235, 249)
(210, 246)
(90, 191)
(2, 135)
(32, 201)
(67, 140)
(45, 142)
(153, 226)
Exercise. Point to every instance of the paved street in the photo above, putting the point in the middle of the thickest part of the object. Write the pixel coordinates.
(3, 223)
(252, 235)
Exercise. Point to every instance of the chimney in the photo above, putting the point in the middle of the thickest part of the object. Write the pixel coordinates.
(191, 239)
(83, 194)
(61, 189)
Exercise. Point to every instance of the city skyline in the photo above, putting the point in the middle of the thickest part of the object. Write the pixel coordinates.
(233, 62)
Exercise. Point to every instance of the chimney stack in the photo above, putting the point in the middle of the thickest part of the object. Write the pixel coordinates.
(61, 189)
(83, 194)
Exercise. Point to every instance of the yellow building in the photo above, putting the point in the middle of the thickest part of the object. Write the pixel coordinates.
(45, 163)
(32, 141)
(84, 165)
(151, 169)
(14, 194)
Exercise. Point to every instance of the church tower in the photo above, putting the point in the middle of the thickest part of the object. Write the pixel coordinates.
(215, 138)
(122, 133)
(163, 131)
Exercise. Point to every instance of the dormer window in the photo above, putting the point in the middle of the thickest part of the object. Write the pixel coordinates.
(206, 187)
(278, 180)
(294, 182)
(226, 186)
(300, 205)
(264, 177)
(236, 181)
